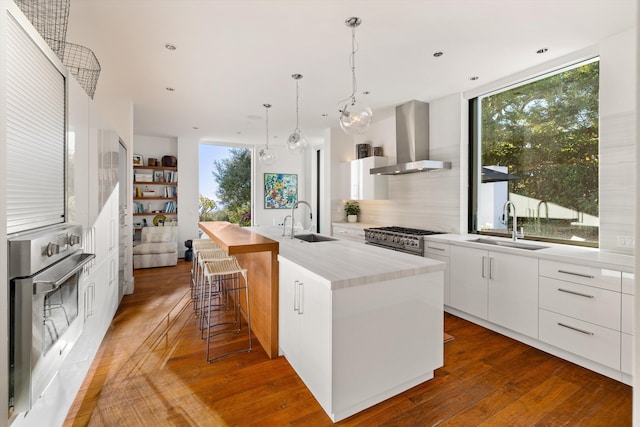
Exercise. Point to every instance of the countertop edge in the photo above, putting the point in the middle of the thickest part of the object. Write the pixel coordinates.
(589, 257)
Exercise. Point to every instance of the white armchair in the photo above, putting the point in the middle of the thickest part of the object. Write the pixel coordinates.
(158, 247)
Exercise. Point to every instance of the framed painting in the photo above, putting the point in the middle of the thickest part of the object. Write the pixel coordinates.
(280, 190)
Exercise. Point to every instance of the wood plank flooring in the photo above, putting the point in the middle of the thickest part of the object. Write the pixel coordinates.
(151, 371)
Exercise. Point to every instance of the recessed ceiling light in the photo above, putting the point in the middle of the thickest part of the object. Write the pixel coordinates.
(438, 54)
(473, 78)
(196, 128)
(324, 115)
(366, 92)
(543, 50)
(170, 46)
(238, 133)
(170, 89)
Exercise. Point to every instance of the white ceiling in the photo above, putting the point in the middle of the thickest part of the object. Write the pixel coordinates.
(233, 56)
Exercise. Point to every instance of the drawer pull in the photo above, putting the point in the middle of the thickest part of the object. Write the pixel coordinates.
(575, 293)
(573, 328)
(587, 276)
(437, 249)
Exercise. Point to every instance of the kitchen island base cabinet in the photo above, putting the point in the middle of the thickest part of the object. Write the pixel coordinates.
(356, 346)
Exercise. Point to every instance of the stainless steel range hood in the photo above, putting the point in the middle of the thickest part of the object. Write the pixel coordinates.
(412, 142)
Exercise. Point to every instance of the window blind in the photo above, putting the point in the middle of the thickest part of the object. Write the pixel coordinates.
(35, 135)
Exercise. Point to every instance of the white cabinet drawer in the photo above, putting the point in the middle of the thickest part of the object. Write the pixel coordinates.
(592, 276)
(356, 234)
(627, 314)
(594, 305)
(626, 358)
(593, 342)
(628, 280)
(436, 248)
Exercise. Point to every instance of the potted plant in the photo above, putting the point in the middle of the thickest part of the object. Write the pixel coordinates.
(352, 209)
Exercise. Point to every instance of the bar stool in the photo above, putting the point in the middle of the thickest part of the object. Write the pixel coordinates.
(226, 272)
(196, 246)
(198, 290)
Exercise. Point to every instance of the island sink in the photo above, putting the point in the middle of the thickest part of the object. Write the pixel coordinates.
(508, 244)
(312, 238)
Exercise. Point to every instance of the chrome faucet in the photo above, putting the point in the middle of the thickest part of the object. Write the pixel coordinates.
(293, 221)
(515, 235)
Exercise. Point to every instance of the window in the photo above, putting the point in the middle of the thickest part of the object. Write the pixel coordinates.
(536, 145)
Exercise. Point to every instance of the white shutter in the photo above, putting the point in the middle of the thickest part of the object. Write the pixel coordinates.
(35, 135)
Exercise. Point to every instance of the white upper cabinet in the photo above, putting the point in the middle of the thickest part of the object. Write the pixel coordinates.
(365, 186)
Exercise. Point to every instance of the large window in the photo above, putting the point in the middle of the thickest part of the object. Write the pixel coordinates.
(536, 145)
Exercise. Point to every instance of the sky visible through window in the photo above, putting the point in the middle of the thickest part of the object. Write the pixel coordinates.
(208, 154)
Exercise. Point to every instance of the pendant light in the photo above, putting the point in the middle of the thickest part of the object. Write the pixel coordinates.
(266, 156)
(355, 117)
(296, 141)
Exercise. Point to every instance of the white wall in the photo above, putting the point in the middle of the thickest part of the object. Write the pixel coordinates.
(287, 162)
(617, 140)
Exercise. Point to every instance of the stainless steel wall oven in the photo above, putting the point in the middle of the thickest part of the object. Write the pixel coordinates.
(44, 312)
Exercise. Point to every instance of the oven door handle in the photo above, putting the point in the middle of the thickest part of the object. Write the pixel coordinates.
(53, 278)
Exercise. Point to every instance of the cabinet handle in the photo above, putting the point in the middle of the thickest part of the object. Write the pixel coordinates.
(483, 260)
(573, 328)
(575, 293)
(437, 249)
(301, 298)
(491, 268)
(587, 276)
(296, 302)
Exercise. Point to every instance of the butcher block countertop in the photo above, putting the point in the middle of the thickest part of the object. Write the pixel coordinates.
(259, 255)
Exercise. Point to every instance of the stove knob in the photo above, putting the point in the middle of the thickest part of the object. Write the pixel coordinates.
(53, 249)
(73, 239)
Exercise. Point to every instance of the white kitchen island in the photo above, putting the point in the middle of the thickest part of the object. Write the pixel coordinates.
(359, 324)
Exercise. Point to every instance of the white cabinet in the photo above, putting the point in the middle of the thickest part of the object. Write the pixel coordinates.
(305, 328)
(580, 311)
(626, 345)
(513, 292)
(356, 346)
(440, 252)
(349, 232)
(499, 287)
(469, 287)
(365, 186)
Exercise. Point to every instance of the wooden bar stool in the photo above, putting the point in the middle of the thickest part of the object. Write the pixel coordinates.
(227, 274)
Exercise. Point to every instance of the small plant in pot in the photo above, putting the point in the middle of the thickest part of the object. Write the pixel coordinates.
(352, 209)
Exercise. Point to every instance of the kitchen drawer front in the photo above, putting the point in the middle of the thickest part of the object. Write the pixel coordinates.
(626, 359)
(627, 314)
(591, 276)
(628, 280)
(436, 248)
(594, 305)
(593, 342)
(349, 233)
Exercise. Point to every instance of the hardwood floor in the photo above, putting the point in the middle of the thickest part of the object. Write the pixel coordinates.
(151, 371)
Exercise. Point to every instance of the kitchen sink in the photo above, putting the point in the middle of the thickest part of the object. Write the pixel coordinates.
(508, 244)
(312, 238)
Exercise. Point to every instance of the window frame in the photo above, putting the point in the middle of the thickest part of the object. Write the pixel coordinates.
(474, 153)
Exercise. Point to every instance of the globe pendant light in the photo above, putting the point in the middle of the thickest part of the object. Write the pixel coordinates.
(355, 117)
(296, 141)
(266, 156)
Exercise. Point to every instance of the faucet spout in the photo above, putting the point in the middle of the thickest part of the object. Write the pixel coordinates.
(515, 234)
(295, 205)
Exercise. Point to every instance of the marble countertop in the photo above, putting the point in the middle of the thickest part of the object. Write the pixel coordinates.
(344, 263)
(355, 225)
(592, 257)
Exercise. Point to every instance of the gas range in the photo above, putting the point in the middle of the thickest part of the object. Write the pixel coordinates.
(408, 240)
